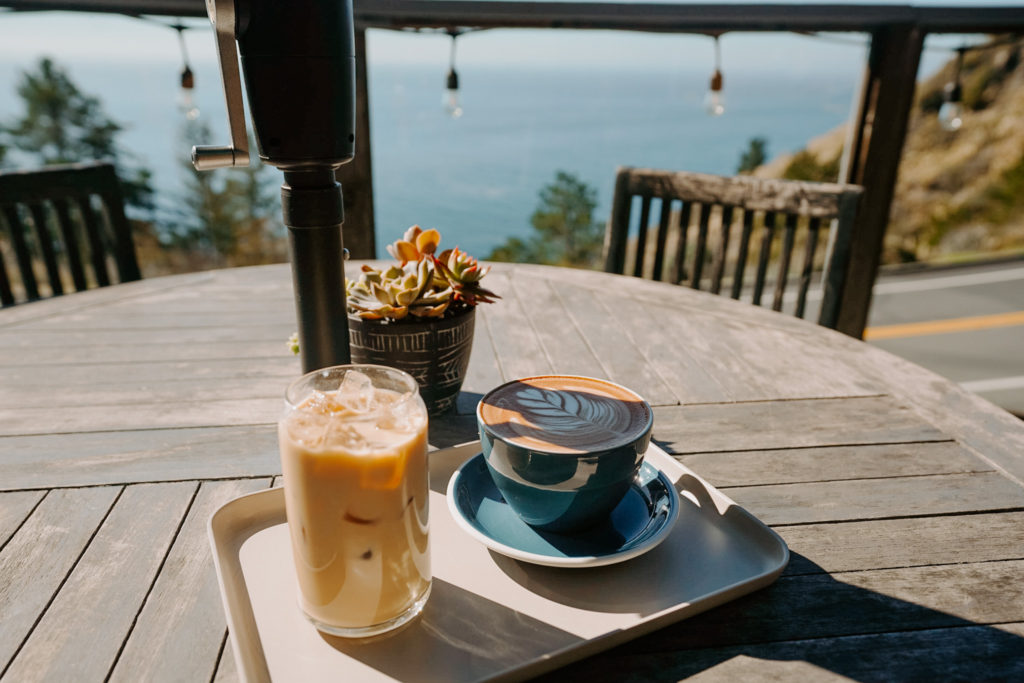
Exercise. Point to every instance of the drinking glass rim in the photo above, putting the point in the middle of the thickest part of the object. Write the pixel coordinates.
(410, 393)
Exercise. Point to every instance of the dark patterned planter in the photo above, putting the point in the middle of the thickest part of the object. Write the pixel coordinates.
(435, 352)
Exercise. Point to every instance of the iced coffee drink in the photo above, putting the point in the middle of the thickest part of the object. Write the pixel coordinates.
(354, 456)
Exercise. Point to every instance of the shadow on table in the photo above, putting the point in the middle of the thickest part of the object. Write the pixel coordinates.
(815, 624)
(460, 636)
(452, 430)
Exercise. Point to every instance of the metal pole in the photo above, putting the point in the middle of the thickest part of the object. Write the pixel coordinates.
(312, 208)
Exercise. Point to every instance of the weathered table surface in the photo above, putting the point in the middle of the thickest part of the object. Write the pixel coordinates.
(128, 414)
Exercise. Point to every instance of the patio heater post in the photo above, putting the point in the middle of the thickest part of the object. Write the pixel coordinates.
(312, 207)
(298, 58)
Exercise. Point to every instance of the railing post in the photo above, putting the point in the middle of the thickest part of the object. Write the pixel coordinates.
(872, 159)
(356, 176)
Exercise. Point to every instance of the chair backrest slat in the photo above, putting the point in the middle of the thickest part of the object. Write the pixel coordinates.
(641, 238)
(38, 213)
(741, 256)
(97, 254)
(721, 200)
(72, 250)
(788, 240)
(664, 215)
(124, 247)
(53, 191)
(767, 237)
(6, 293)
(718, 270)
(813, 226)
(679, 264)
(839, 247)
(702, 242)
(21, 253)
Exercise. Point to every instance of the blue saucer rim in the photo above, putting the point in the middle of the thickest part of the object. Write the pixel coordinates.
(577, 561)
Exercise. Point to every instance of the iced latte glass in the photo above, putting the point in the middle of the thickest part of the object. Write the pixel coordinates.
(354, 456)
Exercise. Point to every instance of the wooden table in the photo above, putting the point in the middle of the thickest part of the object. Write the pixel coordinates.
(128, 414)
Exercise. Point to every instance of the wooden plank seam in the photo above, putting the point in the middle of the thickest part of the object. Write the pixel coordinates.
(60, 587)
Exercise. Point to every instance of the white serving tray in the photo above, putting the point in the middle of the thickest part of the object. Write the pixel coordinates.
(489, 617)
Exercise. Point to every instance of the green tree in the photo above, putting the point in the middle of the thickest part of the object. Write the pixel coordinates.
(61, 124)
(229, 217)
(805, 166)
(755, 155)
(565, 232)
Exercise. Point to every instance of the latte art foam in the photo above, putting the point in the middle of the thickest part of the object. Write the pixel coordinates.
(565, 414)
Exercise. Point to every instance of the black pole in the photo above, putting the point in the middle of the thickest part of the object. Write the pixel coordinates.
(312, 207)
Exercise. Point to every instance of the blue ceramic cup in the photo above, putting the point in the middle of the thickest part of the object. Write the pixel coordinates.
(563, 450)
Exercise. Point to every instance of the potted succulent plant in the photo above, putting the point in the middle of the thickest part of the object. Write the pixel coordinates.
(418, 314)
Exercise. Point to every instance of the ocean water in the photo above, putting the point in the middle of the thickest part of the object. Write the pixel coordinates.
(477, 178)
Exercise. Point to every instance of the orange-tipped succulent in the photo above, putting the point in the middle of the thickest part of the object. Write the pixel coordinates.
(422, 285)
(416, 244)
(463, 273)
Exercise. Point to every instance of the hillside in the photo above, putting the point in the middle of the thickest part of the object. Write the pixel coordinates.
(959, 193)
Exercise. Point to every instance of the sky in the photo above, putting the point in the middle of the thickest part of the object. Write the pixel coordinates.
(80, 37)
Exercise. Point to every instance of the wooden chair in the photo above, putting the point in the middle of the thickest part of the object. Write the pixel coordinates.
(723, 206)
(32, 202)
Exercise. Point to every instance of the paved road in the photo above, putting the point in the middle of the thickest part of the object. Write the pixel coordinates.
(966, 324)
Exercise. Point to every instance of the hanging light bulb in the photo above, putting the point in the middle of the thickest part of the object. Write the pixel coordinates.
(185, 101)
(714, 100)
(450, 99)
(188, 80)
(951, 113)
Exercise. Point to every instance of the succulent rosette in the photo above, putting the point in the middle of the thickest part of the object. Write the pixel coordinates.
(421, 284)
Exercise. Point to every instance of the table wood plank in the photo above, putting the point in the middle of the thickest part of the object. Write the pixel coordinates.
(833, 463)
(227, 667)
(240, 347)
(519, 351)
(615, 344)
(737, 375)
(857, 603)
(194, 413)
(863, 499)
(30, 338)
(798, 365)
(766, 425)
(81, 633)
(138, 456)
(960, 653)
(569, 351)
(483, 372)
(690, 380)
(761, 354)
(41, 554)
(15, 508)
(893, 543)
(151, 318)
(151, 392)
(113, 372)
(177, 635)
(99, 298)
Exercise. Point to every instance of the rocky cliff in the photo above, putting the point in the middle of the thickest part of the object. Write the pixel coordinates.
(960, 193)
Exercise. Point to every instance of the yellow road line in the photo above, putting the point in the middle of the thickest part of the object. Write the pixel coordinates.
(977, 322)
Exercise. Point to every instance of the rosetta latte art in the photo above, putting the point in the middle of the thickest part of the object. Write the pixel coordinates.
(568, 413)
(575, 416)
